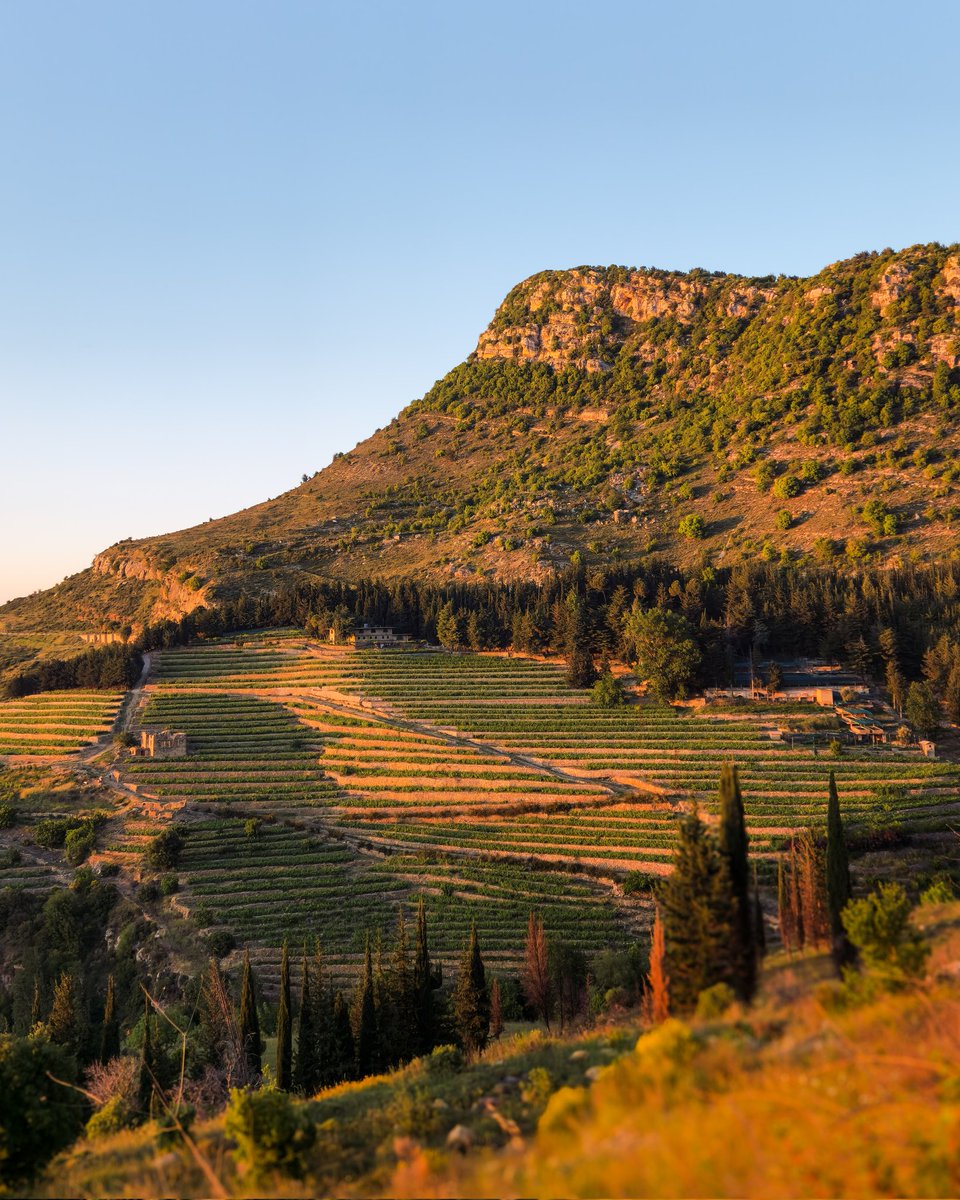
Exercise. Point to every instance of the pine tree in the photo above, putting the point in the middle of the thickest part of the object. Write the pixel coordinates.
(838, 865)
(306, 1068)
(657, 978)
(471, 1004)
(365, 1019)
(250, 1024)
(580, 669)
(423, 987)
(699, 915)
(496, 1010)
(110, 1029)
(734, 846)
(535, 977)
(284, 1026)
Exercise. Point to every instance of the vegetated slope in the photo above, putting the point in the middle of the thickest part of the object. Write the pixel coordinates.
(619, 412)
(827, 1100)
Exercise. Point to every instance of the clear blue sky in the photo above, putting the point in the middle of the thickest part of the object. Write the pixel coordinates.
(236, 237)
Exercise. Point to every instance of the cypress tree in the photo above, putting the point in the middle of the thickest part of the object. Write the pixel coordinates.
(496, 1010)
(305, 1071)
(657, 978)
(423, 986)
(471, 1004)
(284, 1026)
(402, 996)
(64, 1023)
(365, 1019)
(250, 1023)
(147, 1080)
(343, 1054)
(838, 865)
(110, 1029)
(734, 846)
(699, 915)
(759, 932)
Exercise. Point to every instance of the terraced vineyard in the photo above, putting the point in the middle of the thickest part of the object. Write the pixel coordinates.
(481, 781)
(54, 724)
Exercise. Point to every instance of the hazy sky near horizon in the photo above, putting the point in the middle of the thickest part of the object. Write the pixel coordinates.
(237, 237)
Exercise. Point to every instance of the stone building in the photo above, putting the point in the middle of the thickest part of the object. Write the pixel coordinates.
(161, 743)
(365, 636)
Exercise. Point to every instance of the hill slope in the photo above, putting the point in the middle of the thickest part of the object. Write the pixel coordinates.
(619, 412)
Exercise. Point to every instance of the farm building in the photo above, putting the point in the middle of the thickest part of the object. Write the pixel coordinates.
(364, 636)
(161, 743)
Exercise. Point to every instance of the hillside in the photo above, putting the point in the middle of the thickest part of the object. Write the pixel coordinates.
(833, 1094)
(618, 412)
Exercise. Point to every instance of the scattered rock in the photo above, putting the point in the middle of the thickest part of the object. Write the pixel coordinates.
(578, 1055)
(594, 1073)
(440, 1105)
(459, 1138)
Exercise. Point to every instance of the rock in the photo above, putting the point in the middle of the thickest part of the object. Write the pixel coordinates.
(593, 1073)
(578, 1055)
(440, 1105)
(459, 1138)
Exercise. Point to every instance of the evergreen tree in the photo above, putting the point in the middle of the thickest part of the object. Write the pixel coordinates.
(36, 1004)
(759, 931)
(699, 915)
(343, 1053)
(306, 1069)
(838, 865)
(110, 1029)
(402, 997)
(284, 1026)
(365, 1019)
(147, 1080)
(496, 1010)
(423, 987)
(734, 846)
(471, 1004)
(580, 669)
(64, 1024)
(250, 1023)
(785, 915)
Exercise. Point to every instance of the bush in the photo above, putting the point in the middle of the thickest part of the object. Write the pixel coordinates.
(638, 881)
(111, 1118)
(38, 1117)
(607, 692)
(169, 885)
(78, 843)
(271, 1133)
(221, 942)
(445, 1060)
(692, 526)
(879, 926)
(786, 487)
(8, 816)
(163, 853)
(940, 891)
(783, 519)
(714, 1001)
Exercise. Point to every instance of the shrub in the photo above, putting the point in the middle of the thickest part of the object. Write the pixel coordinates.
(271, 1133)
(221, 942)
(445, 1060)
(692, 526)
(78, 843)
(111, 1118)
(169, 885)
(8, 816)
(714, 1001)
(783, 519)
(607, 692)
(786, 487)
(940, 891)
(638, 881)
(38, 1117)
(879, 926)
(252, 827)
(163, 853)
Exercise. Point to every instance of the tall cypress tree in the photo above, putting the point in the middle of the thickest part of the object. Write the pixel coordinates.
(65, 1025)
(837, 866)
(305, 1071)
(284, 1026)
(423, 986)
(365, 1018)
(759, 932)
(404, 1034)
(110, 1029)
(734, 846)
(147, 1081)
(343, 1054)
(699, 915)
(250, 1023)
(471, 1004)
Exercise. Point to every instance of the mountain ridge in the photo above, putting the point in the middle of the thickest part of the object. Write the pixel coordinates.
(615, 412)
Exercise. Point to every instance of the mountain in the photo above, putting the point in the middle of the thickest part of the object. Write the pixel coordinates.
(619, 412)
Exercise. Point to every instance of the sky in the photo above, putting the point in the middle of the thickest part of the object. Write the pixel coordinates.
(238, 237)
